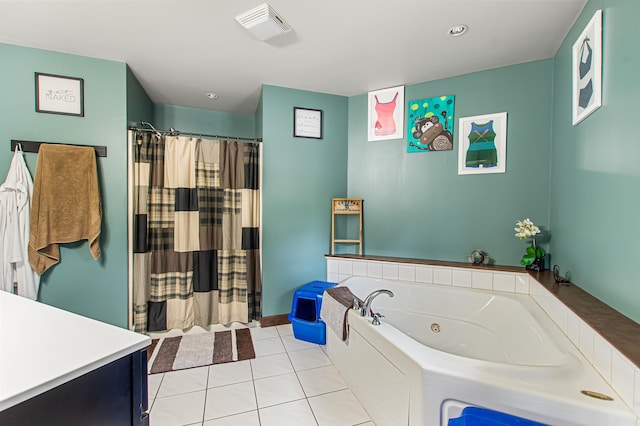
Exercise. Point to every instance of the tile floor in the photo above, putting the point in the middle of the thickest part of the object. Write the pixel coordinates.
(290, 382)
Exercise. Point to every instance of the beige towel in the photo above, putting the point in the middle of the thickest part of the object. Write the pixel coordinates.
(336, 303)
(65, 205)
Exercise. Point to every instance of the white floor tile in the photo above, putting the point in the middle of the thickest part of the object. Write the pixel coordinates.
(183, 381)
(259, 333)
(228, 400)
(180, 409)
(337, 409)
(309, 358)
(278, 390)
(249, 418)
(271, 365)
(292, 344)
(153, 384)
(321, 380)
(229, 373)
(266, 347)
(285, 329)
(296, 413)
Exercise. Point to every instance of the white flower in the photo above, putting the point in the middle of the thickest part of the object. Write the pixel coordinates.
(526, 229)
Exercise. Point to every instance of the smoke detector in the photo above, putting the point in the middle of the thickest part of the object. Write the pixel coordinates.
(263, 22)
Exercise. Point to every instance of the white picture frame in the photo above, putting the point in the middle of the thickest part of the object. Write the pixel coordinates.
(57, 94)
(482, 144)
(586, 69)
(385, 117)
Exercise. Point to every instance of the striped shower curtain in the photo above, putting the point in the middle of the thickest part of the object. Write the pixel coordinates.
(196, 257)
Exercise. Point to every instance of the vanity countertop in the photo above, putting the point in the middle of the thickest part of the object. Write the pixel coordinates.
(42, 347)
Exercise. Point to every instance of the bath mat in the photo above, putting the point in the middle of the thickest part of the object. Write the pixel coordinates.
(198, 350)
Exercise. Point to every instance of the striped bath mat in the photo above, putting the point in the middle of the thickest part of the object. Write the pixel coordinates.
(197, 350)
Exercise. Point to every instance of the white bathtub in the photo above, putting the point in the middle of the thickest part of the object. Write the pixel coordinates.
(441, 348)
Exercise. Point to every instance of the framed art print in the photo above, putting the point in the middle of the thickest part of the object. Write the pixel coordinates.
(307, 123)
(56, 94)
(586, 68)
(430, 124)
(385, 115)
(482, 144)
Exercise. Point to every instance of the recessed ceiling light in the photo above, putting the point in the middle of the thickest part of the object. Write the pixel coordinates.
(457, 30)
(212, 95)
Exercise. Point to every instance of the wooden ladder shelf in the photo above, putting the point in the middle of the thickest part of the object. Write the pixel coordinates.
(346, 206)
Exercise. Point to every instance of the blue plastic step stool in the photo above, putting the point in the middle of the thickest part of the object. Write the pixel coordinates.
(305, 312)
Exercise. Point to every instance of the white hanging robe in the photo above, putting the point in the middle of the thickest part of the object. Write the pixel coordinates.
(15, 200)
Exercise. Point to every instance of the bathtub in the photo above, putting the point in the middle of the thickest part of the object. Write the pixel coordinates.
(440, 349)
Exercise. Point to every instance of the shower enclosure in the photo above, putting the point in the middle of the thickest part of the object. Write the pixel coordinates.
(194, 230)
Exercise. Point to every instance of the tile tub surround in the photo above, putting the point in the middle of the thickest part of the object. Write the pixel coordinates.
(608, 339)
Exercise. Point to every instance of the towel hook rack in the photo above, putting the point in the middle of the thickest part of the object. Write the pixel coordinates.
(31, 146)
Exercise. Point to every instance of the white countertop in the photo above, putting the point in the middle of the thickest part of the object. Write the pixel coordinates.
(42, 347)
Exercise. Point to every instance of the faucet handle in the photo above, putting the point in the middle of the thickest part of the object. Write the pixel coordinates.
(356, 304)
(376, 318)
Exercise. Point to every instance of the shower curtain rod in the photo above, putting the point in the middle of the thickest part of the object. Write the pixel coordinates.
(174, 132)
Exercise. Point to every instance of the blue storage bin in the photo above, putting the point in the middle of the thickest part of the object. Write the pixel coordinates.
(476, 416)
(305, 312)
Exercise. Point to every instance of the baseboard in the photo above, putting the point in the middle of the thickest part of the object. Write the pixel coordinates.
(273, 320)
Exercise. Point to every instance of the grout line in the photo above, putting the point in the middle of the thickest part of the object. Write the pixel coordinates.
(255, 393)
(206, 390)
(283, 403)
(178, 394)
(306, 397)
(229, 415)
(155, 394)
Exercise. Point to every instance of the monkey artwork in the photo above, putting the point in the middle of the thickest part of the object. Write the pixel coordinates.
(432, 135)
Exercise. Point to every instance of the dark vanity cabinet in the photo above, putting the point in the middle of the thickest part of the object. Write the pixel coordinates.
(114, 394)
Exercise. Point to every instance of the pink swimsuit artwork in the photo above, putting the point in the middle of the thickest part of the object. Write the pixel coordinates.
(385, 125)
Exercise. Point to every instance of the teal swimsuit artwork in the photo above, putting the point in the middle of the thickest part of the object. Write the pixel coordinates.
(482, 150)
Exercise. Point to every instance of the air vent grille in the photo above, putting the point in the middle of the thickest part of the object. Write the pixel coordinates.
(263, 22)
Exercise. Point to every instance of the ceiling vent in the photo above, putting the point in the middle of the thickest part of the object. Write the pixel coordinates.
(263, 22)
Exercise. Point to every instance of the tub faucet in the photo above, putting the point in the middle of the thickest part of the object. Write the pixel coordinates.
(366, 305)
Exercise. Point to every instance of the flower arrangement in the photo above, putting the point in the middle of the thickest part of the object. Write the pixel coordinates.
(533, 259)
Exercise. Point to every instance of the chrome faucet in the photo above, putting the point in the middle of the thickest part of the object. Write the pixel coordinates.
(366, 305)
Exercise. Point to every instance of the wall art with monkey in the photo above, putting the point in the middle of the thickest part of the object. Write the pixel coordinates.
(430, 124)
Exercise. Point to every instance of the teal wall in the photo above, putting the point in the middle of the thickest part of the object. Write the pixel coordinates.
(300, 178)
(97, 289)
(576, 181)
(139, 106)
(595, 172)
(416, 205)
(203, 121)
(259, 116)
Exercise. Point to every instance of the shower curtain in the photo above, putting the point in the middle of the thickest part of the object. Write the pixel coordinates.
(196, 230)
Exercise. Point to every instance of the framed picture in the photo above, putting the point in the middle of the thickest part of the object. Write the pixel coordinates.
(586, 68)
(385, 117)
(482, 144)
(307, 123)
(430, 124)
(56, 94)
